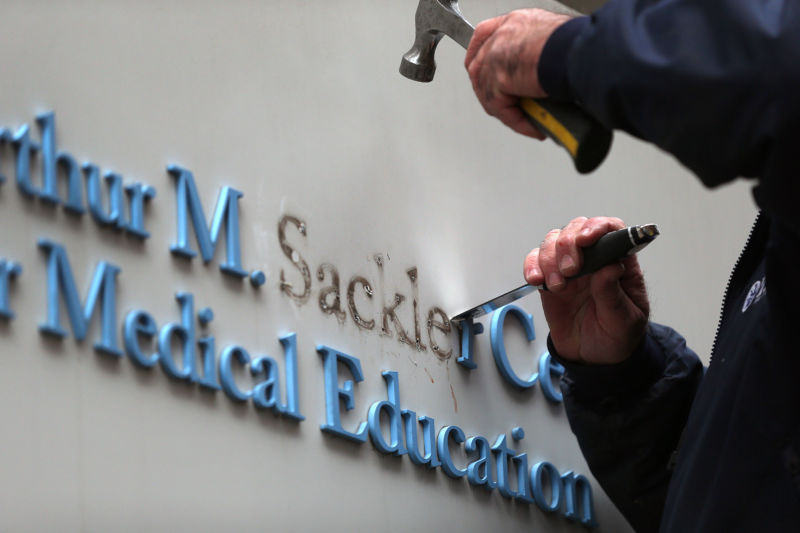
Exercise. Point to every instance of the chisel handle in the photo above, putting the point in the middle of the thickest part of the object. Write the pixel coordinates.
(583, 136)
(612, 247)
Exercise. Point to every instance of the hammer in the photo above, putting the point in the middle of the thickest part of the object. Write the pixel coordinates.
(585, 138)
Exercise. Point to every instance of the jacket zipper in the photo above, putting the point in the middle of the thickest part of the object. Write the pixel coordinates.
(734, 274)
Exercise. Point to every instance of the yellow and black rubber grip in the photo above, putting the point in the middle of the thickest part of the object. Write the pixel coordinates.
(583, 136)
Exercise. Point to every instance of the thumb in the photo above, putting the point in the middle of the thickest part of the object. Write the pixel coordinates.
(605, 287)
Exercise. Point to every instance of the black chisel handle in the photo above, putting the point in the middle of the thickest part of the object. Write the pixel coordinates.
(610, 248)
(583, 136)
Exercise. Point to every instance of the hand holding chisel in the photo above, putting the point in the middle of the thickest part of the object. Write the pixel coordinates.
(608, 249)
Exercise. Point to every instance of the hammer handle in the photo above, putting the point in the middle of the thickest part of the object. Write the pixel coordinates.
(585, 138)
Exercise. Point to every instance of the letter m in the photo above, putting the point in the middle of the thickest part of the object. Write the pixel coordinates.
(190, 209)
(103, 290)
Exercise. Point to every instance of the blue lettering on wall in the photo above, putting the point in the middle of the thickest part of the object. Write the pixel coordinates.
(428, 428)
(334, 393)
(392, 410)
(479, 471)
(578, 504)
(5, 137)
(190, 209)
(538, 473)
(9, 270)
(446, 434)
(391, 429)
(229, 355)
(547, 367)
(138, 194)
(267, 393)
(113, 181)
(523, 492)
(497, 342)
(185, 332)
(102, 290)
(24, 150)
(510, 474)
(502, 453)
(55, 164)
(467, 331)
(139, 324)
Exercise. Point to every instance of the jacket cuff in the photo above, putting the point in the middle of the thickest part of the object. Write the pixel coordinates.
(644, 367)
(552, 69)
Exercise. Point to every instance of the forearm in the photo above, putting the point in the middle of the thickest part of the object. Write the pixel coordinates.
(711, 82)
(629, 417)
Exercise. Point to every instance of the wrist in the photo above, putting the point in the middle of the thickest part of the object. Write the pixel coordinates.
(642, 367)
(552, 67)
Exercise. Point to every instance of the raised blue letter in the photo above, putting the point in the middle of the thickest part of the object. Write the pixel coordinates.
(185, 331)
(428, 429)
(226, 372)
(61, 281)
(334, 393)
(498, 344)
(50, 163)
(538, 472)
(227, 211)
(443, 447)
(115, 198)
(139, 322)
(547, 367)
(392, 408)
(267, 393)
(481, 445)
(467, 331)
(8, 271)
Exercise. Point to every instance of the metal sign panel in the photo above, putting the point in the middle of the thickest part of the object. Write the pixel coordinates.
(232, 235)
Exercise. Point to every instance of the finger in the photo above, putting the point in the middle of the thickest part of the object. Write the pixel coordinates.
(513, 117)
(532, 271)
(596, 227)
(568, 256)
(606, 291)
(548, 264)
(484, 78)
(632, 283)
(483, 31)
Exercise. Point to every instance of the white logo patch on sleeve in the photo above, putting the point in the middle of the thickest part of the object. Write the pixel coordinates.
(756, 292)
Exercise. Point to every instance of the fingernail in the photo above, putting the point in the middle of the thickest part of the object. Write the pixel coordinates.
(586, 231)
(567, 263)
(554, 280)
(532, 272)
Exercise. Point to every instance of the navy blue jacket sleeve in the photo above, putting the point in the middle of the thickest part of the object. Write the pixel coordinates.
(714, 82)
(628, 419)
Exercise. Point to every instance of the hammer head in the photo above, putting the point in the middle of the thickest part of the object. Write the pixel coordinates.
(435, 18)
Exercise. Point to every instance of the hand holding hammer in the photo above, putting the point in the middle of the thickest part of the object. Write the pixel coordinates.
(501, 43)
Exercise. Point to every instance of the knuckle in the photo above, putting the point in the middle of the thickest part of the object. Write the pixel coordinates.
(566, 241)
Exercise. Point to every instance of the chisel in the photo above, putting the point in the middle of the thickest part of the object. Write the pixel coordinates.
(609, 248)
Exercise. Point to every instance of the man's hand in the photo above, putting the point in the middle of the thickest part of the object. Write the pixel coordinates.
(598, 318)
(502, 61)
